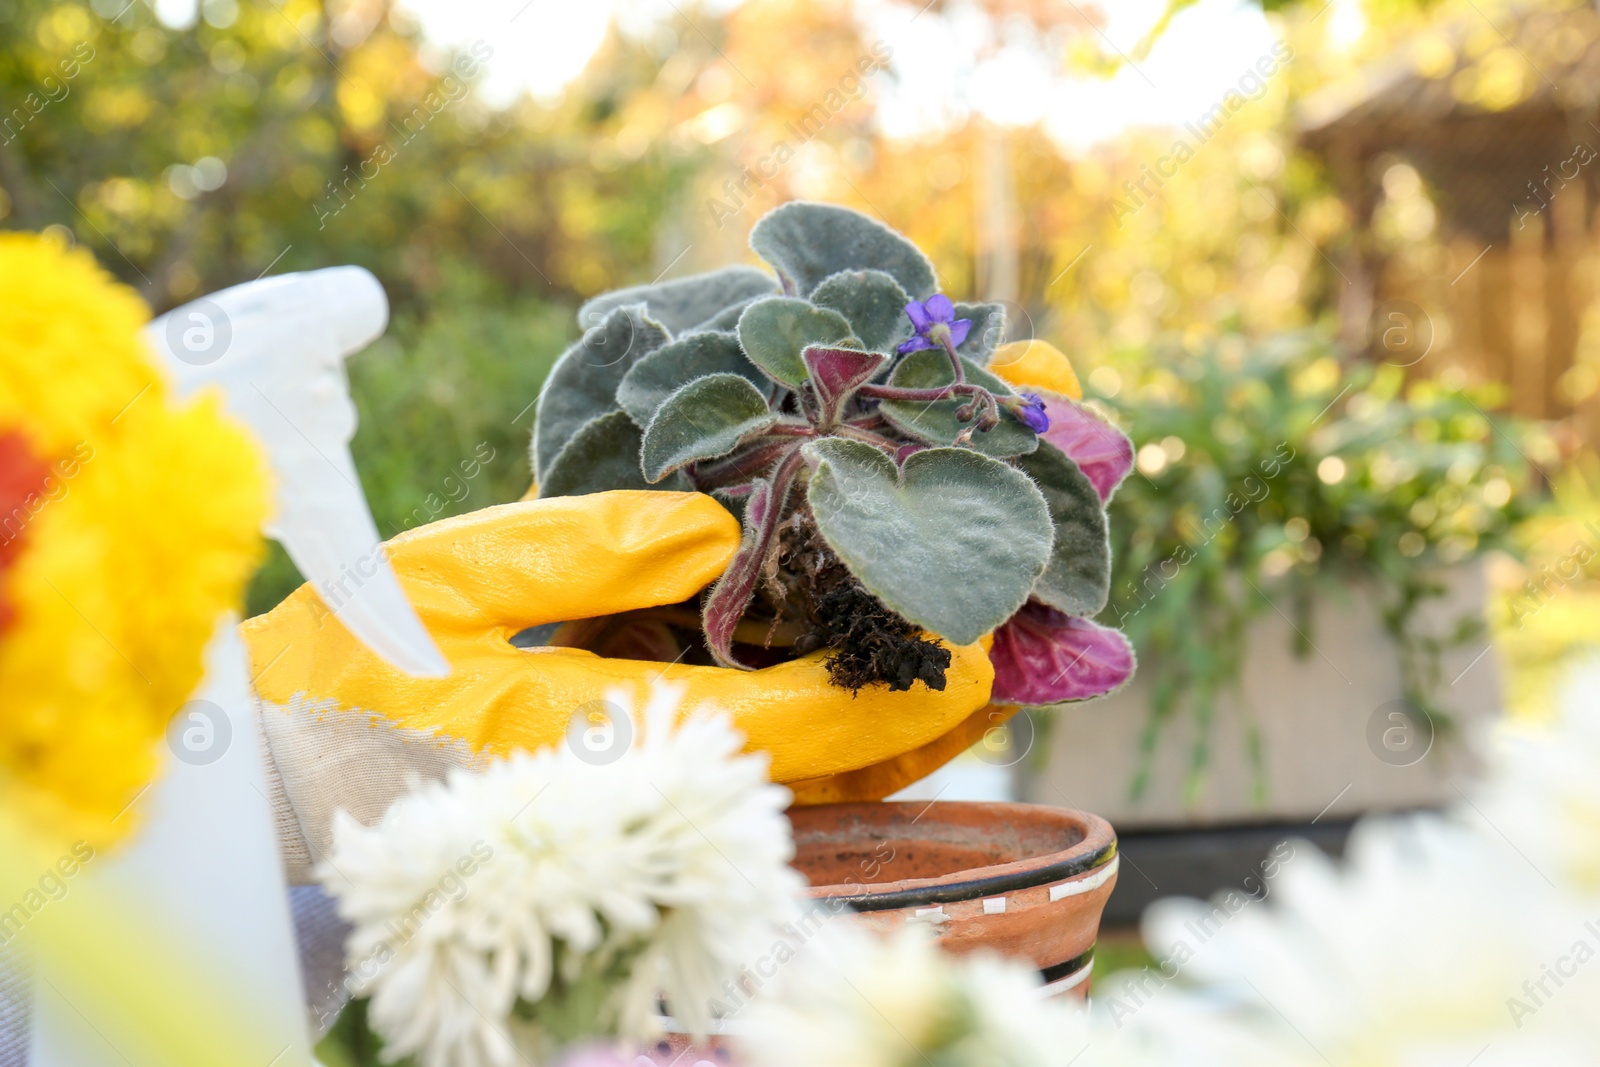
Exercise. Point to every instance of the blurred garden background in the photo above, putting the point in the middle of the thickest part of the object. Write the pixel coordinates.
(1354, 241)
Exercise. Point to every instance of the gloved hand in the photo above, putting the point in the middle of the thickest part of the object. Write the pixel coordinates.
(345, 729)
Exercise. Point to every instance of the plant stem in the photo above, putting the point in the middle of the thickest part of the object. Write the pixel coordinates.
(741, 466)
(982, 400)
(789, 429)
(944, 392)
(730, 597)
(955, 360)
(876, 440)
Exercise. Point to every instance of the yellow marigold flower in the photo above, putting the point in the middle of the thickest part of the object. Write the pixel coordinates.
(142, 535)
(69, 339)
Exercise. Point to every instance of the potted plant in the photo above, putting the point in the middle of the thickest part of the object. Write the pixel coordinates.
(1297, 563)
(898, 496)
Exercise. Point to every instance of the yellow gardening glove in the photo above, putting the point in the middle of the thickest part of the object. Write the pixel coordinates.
(894, 774)
(478, 579)
(1036, 365)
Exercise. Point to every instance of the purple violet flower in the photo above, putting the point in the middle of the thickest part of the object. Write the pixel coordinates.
(936, 323)
(1029, 410)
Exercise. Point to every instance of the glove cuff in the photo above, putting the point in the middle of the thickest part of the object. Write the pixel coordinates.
(323, 758)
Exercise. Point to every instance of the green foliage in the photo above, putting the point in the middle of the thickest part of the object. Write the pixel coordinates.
(775, 331)
(684, 304)
(580, 1002)
(574, 1009)
(726, 320)
(705, 419)
(332, 151)
(1279, 471)
(937, 423)
(988, 329)
(351, 1042)
(656, 376)
(872, 302)
(1078, 578)
(952, 540)
(806, 243)
(584, 381)
(604, 454)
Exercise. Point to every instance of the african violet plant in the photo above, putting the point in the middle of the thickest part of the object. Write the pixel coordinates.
(896, 493)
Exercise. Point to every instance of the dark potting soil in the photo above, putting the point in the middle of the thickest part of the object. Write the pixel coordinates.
(869, 642)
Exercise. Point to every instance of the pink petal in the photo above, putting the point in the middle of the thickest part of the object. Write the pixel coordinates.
(1100, 450)
(1043, 656)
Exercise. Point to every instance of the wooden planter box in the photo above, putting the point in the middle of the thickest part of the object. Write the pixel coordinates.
(1332, 746)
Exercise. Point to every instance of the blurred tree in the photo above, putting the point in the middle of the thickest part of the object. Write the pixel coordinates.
(287, 135)
(1094, 250)
(308, 133)
(283, 136)
(301, 133)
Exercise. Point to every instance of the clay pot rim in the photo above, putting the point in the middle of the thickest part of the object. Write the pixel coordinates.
(1097, 848)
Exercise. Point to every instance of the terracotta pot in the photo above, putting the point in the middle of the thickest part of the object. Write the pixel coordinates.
(1024, 880)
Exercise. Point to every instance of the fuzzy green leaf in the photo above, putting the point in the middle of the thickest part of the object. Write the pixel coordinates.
(872, 302)
(936, 422)
(684, 303)
(583, 383)
(726, 320)
(702, 420)
(1078, 579)
(807, 242)
(661, 373)
(775, 331)
(603, 455)
(953, 541)
(988, 331)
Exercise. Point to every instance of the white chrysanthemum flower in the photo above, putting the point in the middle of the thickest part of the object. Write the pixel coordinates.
(1440, 940)
(1184, 1029)
(549, 898)
(854, 999)
(1420, 950)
